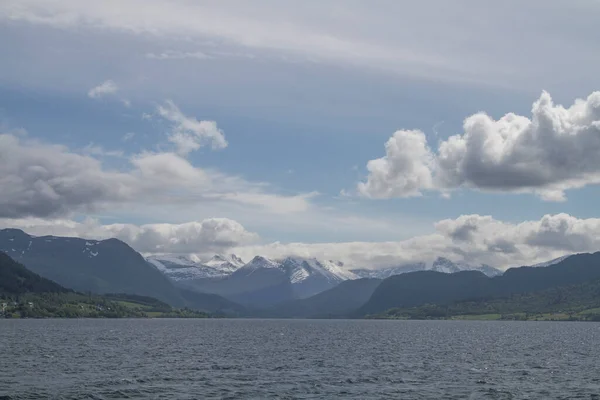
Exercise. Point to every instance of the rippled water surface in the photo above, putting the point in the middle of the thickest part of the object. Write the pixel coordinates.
(283, 359)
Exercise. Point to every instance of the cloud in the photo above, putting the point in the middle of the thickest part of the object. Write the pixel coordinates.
(96, 150)
(556, 150)
(128, 136)
(405, 170)
(105, 88)
(394, 39)
(213, 235)
(474, 239)
(188, 134)
(496, 243)
(178, 55)
(43, 180)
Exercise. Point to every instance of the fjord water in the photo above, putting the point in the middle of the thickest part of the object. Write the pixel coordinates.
(298, 359)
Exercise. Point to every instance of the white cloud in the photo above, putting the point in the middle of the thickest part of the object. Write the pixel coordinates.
(471, 238)
(128, 136)
(556, 150)
(40, 180)
(178, 55)
(404, 171)
(213, 235)
(43, 180)
(105, 88)
(188, 134)
(404, 38)
(96, 150)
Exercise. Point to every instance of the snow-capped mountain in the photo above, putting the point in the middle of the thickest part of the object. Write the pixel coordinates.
(307, 276)
(383, 273)
(187, 268)
(441, 264)
(551, 262)
(259, 262)
(264, 281)
(300, 269)
(229, 262)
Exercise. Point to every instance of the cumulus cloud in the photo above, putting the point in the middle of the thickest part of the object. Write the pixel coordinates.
(556, 150)
(474, 239)
(213, 235)
(43, 180)
(404, 171)
(105, 88)
(188, 134)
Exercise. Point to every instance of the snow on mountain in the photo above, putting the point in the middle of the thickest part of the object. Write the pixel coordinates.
(260, 262)
(300, 269)
(551, 262)
(184, 268)
(441, 264)
(224, 262)
(337, 268)
(391, 271)
(306, 275)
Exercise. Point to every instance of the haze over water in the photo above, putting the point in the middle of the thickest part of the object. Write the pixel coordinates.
(298, 359)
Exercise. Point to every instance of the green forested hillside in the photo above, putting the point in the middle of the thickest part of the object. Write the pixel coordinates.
(16, 279)
(572, 302)
(99, 266)
(428, 287)
(24, 294)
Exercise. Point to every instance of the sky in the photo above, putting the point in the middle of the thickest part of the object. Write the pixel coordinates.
(373, 133)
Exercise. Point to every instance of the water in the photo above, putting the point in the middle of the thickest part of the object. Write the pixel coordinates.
(283, 359)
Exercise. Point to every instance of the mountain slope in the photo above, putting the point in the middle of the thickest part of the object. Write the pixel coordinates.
(428, 287)
(16, 279)
(338, 301)
(310, 276)
(263, 282)
(259, 283)
(211, 303)
(579, 302)
(106, 266)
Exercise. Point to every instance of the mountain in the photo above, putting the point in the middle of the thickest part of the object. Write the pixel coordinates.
(25, 294)
(189, 268)
(551, 262)
(578, 302)
(212, 303)
(263, 282)
(102, 266)
(441, 264)
(16, 279)
(98, 266)
(310, 276)
(259, 283)
(227, 264)
(431, 287)
(338, 301)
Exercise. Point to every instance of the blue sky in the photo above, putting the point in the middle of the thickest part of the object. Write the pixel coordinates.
(305, 94)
